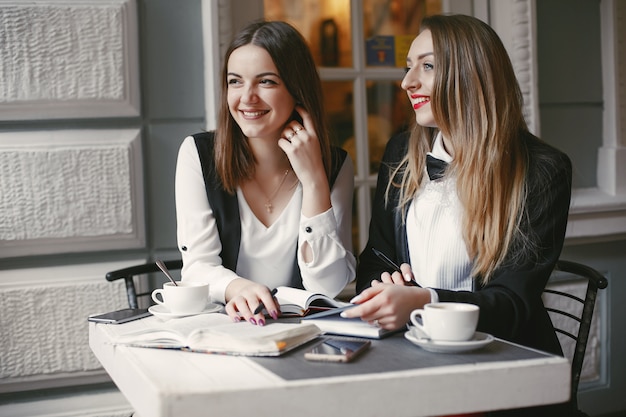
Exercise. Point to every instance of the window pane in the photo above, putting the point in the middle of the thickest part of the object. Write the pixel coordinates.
(356, 246)
(325, 25)
(388, 112)
(339, 104)
(390, 26)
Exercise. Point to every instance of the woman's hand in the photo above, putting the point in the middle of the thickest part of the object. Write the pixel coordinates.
(387, 305)
(246, 297)
(301, 145)
(402, 277)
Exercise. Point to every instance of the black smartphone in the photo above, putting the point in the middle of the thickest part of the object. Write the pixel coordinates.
(337, 349)
(121, 316)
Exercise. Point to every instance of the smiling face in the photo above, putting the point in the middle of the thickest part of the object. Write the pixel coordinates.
(258, 99)
(419, 79)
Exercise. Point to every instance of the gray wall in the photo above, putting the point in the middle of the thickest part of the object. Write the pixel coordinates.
(172, 97)
(173, 86)
(172, 107)
(571, 111)
(570, 81)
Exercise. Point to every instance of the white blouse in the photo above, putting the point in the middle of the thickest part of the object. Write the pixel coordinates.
(438, 254)
(266, 254)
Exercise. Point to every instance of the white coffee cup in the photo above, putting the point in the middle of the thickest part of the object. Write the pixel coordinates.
(188, 297)
(453, 322)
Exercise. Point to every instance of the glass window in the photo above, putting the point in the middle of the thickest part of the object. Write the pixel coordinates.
(361, 75)
(324, 24)
(388, 113)
(389, 28)
(339, 103)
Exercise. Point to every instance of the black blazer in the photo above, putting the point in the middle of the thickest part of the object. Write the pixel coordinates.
(510, 304)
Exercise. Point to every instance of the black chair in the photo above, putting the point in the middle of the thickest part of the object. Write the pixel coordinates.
(559, 303)
(129, 274)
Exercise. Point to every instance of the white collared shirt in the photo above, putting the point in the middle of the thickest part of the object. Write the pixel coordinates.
(266, 254)
(438, 254)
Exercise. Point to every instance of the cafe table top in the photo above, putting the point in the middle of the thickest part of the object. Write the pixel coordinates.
(393, 378)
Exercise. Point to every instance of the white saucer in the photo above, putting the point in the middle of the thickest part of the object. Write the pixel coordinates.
(479, 340)
(163, 313)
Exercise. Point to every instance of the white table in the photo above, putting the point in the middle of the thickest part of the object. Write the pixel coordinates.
(174, 383)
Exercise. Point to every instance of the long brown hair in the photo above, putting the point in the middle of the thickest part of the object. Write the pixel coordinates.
(290, 53)
(477, 105)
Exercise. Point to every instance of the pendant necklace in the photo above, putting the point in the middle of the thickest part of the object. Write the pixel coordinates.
(268, 204)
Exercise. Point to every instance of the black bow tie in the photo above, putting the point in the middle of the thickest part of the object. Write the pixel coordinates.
(435, 167)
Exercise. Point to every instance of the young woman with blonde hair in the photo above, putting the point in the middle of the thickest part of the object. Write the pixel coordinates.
(470, 204)
(488, 226)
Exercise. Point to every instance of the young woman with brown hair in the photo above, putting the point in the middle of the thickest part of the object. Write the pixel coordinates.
(265, 201)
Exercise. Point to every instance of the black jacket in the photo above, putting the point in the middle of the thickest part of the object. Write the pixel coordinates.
(510, 304)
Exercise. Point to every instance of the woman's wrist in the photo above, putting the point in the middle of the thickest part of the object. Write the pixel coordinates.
(235, 287)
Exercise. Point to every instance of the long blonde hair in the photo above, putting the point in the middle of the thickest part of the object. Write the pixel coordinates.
(477, 105)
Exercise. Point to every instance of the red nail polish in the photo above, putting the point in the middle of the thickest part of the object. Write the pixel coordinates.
(252, 320)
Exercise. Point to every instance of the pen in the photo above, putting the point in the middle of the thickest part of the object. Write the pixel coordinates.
(261, 306)
(391, 264)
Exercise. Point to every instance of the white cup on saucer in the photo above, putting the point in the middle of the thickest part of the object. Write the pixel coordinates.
(188, 297)
(449, 322)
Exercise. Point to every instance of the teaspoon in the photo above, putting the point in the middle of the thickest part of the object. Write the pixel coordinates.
(163, 268)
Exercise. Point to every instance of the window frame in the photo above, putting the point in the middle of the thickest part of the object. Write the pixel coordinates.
(596, 214)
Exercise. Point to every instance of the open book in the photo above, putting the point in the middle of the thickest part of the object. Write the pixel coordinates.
(331, 322)
(217, 333)
(294, 301)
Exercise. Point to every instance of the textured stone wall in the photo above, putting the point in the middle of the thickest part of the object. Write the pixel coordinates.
(70, 191)
(68, 59)
(44, 328)
(61, 52)
(65, 189)
(43, 320)
(58, 193)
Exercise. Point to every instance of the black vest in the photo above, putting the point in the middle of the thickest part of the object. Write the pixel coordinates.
(226, 207)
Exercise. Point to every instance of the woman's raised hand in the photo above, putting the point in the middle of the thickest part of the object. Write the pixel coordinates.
(301, 145)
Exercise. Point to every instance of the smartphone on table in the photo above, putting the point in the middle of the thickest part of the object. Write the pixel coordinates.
(121, 316)
(337, 349)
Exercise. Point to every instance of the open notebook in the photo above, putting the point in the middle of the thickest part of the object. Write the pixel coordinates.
(294, 301)
(217, 333)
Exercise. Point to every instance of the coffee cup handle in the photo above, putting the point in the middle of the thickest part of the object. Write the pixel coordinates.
(155, 298)
(414, 315)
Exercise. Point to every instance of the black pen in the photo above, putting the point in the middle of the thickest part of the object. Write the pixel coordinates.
(261, 306)
(391, 264)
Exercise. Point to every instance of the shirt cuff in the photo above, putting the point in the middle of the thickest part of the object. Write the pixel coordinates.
(318, 226)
